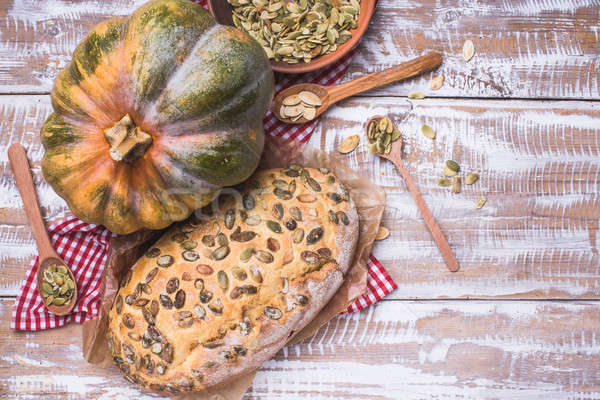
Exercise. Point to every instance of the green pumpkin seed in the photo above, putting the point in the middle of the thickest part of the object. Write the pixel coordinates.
(179, 299)
(199, 311)
(277, 210)
(298, 235)
(480, 202)
(471, 178)
(208, 240)
(246, 253)
(229, 218)
(314, 235)
(242, 236)
(291, 173)
(239, 273)
(165, 261)
(272, 312)
(172, 285)
(295, 213)
(253, 220)
(153, 252)
(190, 255)
(313, 184)
(428, 132)
(223, 280)
(310, 257)
(452, 165)
(256, 274)
(189, 244)
(280, 183)
(264, 256)
(282, 193)
(333, 217)
(46, 288)
(444, 182)
(248, 201)
(59, 301)
(456, 184)
(222, 239)
(220, 253)
(151, 275)
(274, 226)
(343, 217)
(416, 95)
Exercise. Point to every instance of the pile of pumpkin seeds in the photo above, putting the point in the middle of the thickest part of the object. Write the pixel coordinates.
(381, 133)
(297, 30)
(303, 104)
(57, 285)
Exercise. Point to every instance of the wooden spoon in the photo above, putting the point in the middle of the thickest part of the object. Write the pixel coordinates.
(395, 156)
(332, 94)
(48, 256)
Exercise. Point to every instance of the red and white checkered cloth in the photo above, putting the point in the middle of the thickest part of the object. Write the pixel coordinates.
(84, 247)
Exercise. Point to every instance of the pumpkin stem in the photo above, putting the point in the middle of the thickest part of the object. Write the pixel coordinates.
(127, 141)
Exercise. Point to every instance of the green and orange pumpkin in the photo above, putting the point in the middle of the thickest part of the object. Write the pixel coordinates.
(154, 114)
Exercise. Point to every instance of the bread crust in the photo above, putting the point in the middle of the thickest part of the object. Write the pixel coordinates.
(234, 320)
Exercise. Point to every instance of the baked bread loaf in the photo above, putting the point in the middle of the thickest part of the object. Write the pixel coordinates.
(216, 297)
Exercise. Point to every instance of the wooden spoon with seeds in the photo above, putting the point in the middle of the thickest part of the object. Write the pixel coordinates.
(329, 95)
(47, 254)
(395, 156)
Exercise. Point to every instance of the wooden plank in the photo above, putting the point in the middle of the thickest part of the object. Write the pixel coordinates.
(393, 350)
(531, 49)
(539, 164)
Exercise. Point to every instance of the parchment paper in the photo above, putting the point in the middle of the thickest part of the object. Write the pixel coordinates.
(125, 250)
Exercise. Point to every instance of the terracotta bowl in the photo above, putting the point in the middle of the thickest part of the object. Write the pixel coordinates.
(221, 10)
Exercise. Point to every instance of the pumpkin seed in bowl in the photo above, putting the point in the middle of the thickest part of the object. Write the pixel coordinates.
(297, 31)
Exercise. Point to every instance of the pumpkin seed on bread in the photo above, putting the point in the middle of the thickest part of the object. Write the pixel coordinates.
(231, 293)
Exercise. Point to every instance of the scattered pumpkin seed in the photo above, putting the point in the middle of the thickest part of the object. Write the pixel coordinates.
(480, 202)
(436, 82)
(382, 233)
(456, 184)
(471, 178)
(448, 172)
(452, 165)
(416, 95)
(349, 144)
(444, 182)
(468, 50)
(428, 131)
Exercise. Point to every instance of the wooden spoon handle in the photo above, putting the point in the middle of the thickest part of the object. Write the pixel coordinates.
(20, 167)
(406, 70)
(432, 225)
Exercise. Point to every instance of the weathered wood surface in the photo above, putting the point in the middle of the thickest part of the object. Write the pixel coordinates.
(524, 49)
(540, 169)
(394, 350)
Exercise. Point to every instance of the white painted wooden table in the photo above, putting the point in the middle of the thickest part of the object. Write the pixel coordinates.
(521, 318)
